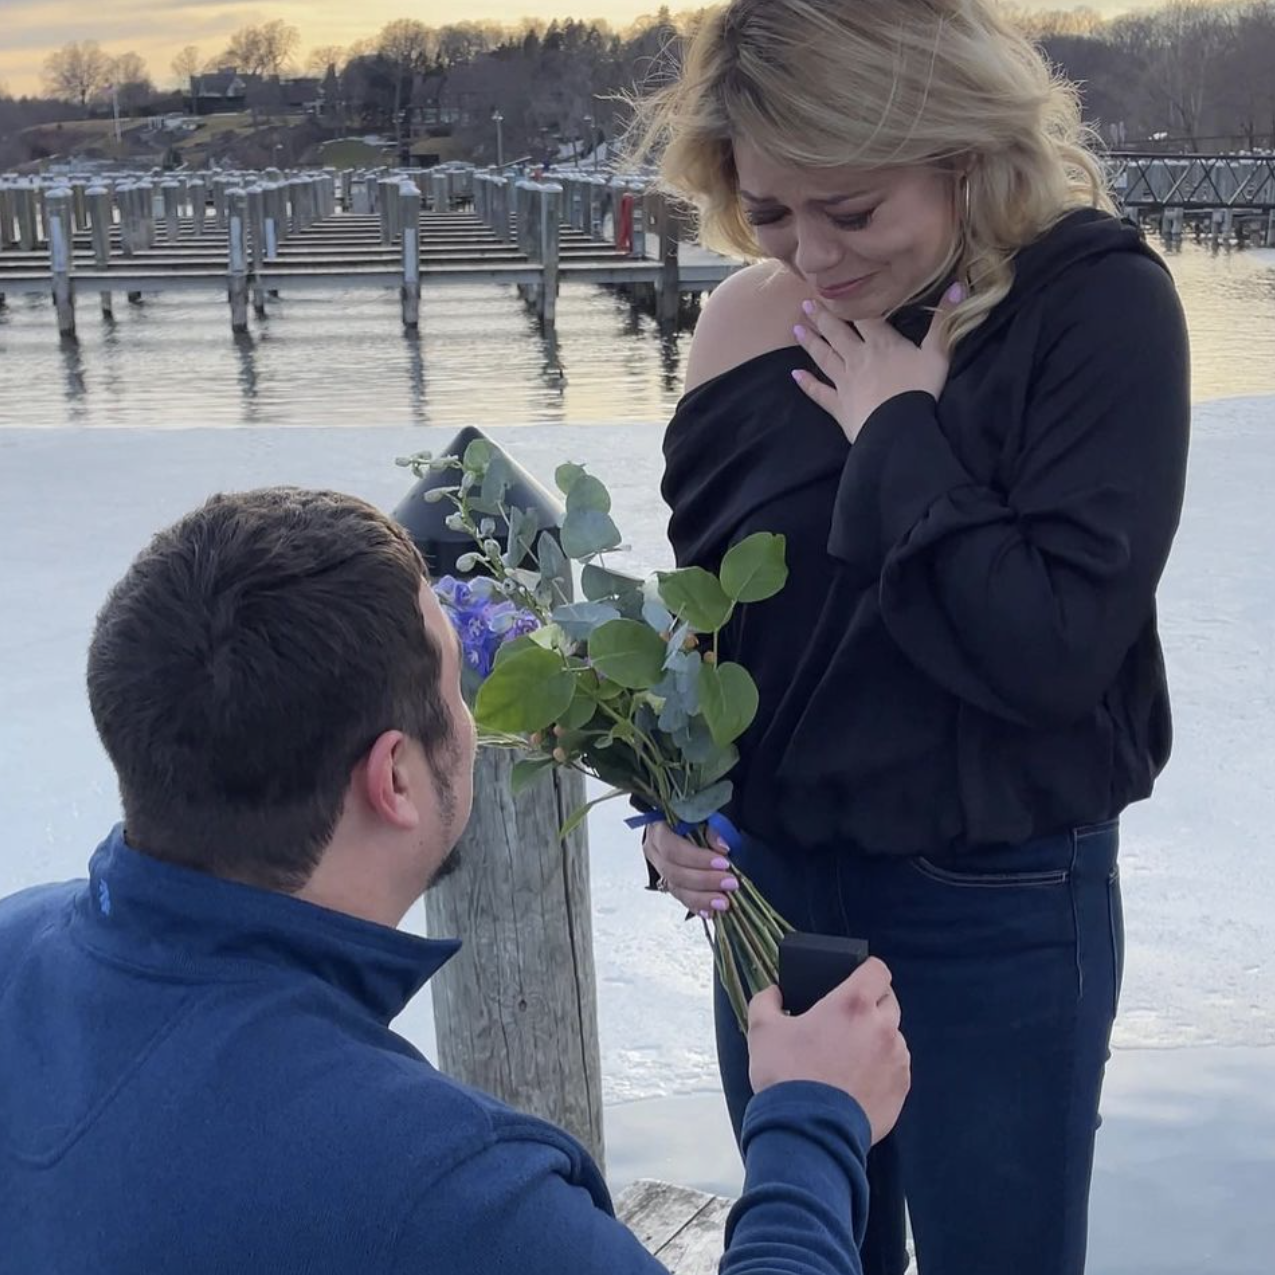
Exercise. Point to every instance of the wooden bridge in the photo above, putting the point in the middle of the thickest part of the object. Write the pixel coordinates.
(253, 236)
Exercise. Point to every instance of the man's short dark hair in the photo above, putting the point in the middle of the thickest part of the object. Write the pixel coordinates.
(245, 663)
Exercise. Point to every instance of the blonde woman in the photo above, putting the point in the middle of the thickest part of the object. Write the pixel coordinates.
(959, 386)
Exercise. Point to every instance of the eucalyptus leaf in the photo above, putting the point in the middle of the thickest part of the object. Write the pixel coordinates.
(629, 653)
(555, 570)
(696, 742)
(515, 548)
(673, 716)
(526, 692)
(527, 771)
(728, 700)
(578, 619)
(600, 585)
(687, 675)
(588, 492)
(587, 532)
(496, 481)
(566, 476)
(698, 807)
(657, 615)
(581, 712)
(477, 455)
(719, 766)
(509, 649)
(694, 595)
(754, 569)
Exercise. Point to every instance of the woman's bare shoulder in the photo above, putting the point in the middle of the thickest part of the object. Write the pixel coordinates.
(749, 314)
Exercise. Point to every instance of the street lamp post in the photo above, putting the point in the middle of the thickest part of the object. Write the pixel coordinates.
(498, 119)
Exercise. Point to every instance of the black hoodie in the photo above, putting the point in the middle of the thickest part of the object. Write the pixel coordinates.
(966, 652)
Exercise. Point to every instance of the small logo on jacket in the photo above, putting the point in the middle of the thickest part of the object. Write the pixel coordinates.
(104, 898)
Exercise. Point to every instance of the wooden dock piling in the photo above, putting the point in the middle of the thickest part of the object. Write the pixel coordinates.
(198, 207)
(170, 192)
(256, 204)
(516, 1008)
(101, 217)
(237, 216)
(549, 217)
(24, 199)
(60, 225)
(410, 217)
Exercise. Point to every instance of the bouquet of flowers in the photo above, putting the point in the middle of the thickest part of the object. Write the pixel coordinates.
(625, 685)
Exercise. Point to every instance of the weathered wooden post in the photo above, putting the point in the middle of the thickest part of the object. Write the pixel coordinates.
(257, 242)
(98, 200)
(668, 285)
(24, 198)
(386, 204)
(8, 233)
(1270, 229)
(171, 193)
(502, 198)
(410, 217)
(60, 226)
(237, 215)
(550, 199)
(150, 232)
(198, 207)
(638, 248)
(219, 188)
(515, 1011)
(80, 202)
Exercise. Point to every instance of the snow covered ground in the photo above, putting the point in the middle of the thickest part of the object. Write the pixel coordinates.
(1187, 1157)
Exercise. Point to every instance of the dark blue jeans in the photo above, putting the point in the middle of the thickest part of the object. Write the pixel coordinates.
(1007, 963)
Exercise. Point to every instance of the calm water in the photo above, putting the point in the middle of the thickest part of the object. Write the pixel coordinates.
(344, 359)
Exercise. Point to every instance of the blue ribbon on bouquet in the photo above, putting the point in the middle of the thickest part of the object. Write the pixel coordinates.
(719, 824)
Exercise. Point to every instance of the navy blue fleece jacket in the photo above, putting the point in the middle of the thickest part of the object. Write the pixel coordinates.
(197, 1077)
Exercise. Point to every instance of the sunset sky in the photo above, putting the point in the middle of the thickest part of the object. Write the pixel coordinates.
(30, 29)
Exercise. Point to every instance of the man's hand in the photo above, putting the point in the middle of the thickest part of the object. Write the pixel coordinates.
(850, 1040)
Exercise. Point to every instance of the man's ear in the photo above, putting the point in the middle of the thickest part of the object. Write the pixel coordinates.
(386, 782)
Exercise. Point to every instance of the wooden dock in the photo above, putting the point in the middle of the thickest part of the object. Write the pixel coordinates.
(254, 236)
(683, 1228)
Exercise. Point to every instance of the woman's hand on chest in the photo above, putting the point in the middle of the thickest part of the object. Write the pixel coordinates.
(868, 363)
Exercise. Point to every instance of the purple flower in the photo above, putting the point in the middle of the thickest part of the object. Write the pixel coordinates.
(484, 619)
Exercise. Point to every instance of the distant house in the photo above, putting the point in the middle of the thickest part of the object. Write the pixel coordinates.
(228, 91)
(305, 93)
(220, 92)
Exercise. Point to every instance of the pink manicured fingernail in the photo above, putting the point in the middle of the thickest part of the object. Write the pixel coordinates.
(956, 293)
(722, 865)
(704, 916)
(798, 376)
(720, 905)
(808, 307)
(729, 883)
(799, 332)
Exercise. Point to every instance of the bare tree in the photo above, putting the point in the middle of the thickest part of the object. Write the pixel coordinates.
(77, 72)
(323, 57)
(132, 81)
(1178, 46)
(410, 47)
(262, 50)
(186, 66)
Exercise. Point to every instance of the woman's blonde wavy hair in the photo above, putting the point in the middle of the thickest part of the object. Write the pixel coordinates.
(877, 84)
